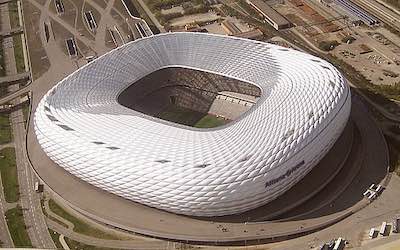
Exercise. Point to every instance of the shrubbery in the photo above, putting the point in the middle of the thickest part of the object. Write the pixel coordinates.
(328, 45)
(348, 39)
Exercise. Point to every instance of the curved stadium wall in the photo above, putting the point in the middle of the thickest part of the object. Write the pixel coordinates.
(302, 110)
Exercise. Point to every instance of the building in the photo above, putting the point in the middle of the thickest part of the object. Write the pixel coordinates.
(82, 126)
(271, 16)
(230, 28)
(251, 34)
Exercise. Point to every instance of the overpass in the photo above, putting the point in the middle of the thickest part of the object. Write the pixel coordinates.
(14, 78)
(12, 32)
(15, 94)
(6, 1)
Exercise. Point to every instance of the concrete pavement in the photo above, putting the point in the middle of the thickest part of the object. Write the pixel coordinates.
(118, 212)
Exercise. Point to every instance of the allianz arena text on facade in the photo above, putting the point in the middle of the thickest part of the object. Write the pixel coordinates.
(303, 108)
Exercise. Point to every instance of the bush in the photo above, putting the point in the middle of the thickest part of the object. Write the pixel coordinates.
(201, 9)
(328, 45)
(165, 18)
(348, 39)
(163, 4)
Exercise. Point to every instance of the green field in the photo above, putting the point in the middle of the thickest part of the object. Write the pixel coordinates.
(72, 244)
(190, 117)
(17, 227)
(5, 129)
(50, 217)
(18, 53)
(80, 246)
(9, 175)
(55, 237)
(79, 225)
(2, 67)
(210, 121)
(13, 12)
(25, 112)
(181, 115)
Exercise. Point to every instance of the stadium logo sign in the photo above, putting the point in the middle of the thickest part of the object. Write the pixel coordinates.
(287, 174)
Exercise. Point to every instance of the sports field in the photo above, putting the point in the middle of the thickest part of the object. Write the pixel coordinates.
(190, 117)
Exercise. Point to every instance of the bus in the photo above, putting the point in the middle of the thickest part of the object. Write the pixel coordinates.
(383, 229)
(339, 244)
(38, 187)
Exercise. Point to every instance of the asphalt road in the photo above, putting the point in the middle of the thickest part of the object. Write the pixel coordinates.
(5, 237)
(29, 200)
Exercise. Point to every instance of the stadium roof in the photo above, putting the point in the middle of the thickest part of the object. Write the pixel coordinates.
(303, 108)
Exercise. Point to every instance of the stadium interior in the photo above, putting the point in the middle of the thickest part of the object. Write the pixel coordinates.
(190, 97)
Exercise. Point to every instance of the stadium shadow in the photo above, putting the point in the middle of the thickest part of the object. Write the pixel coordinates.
(358, 159)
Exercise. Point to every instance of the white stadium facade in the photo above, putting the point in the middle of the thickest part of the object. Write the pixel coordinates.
(303, 107)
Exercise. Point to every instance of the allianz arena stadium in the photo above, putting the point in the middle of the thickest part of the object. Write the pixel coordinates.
(102, 123)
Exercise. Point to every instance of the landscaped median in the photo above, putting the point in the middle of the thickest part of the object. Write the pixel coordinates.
(79, 225)
(17, 227)
(5, 129)
(9, 175)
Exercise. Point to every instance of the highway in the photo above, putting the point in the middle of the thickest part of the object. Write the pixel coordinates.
(11, 32)
(5, 237)
(14, 78)
(61, 66)
(29, 201)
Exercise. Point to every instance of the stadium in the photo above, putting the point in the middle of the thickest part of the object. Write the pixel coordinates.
(277, 113)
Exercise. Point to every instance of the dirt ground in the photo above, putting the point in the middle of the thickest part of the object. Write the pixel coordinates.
(202, 17)
(101, 3)
(381, 65)
(42, 2)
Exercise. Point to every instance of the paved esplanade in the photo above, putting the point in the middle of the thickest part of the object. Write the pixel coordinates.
(110, 209)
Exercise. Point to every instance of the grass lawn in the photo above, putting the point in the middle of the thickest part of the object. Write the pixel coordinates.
(18, 53)
(181, 115)
(5, 129)
(9, 175)
(55, 237)
(25, 112)
(144, 15)
(51, 217)
(210, 121)
(17, 227)
(80, 246)
(190, 117)
(2, 67)
(79, 225)
(13, 12)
